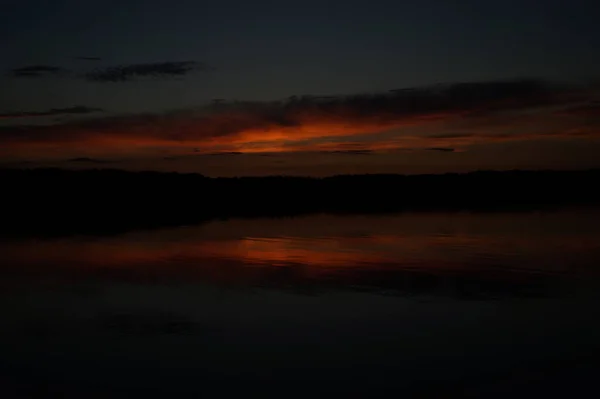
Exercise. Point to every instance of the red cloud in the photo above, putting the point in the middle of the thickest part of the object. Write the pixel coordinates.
(316, 123)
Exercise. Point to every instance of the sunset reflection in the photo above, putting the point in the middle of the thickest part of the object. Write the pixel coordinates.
(323, 252)
(376, 251)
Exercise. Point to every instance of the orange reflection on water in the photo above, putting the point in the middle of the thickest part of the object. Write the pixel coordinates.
(323, 244)
(228, 258)
(286, 250)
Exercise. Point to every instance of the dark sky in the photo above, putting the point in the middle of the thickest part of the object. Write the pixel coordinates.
(69, 61)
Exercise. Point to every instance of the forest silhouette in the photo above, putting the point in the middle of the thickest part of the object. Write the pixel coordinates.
(103, 201)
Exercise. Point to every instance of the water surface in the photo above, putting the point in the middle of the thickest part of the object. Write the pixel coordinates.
(483, 304)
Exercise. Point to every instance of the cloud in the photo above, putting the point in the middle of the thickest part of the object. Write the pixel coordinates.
(591, 108)
(76, 110)
(418, 118)
(205, 154)
(88, 58)
(124, 73)
(226, 153)
(118, 73)
(86, 160)
(36, 71)
(349, 152)
(450, 135)
(441, 149)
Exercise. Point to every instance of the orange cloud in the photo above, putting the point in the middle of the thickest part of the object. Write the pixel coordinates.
(312, 123)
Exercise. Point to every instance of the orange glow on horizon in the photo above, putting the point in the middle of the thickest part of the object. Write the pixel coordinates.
(305, 132)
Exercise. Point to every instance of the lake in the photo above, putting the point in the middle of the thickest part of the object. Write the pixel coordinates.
(411, 304)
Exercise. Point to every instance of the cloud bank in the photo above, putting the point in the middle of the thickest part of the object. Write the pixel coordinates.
(76, 110)
(37, 71)
(124, 73)
(442, 118)
(118, 73)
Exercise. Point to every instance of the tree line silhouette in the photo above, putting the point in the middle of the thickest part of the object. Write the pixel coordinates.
(59, 201)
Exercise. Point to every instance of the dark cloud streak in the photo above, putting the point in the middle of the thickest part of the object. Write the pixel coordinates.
(224, 153)
(450, 135)
(36, 71)
(87, 160)
(76, 110)
(349, 152)
(124, 73)
(88, 58)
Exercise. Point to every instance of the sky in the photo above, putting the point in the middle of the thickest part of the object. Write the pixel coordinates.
(241, 87)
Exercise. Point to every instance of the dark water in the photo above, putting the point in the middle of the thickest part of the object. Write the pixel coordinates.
(411, 305)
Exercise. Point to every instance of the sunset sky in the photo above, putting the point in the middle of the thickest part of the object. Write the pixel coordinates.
(239, 87)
